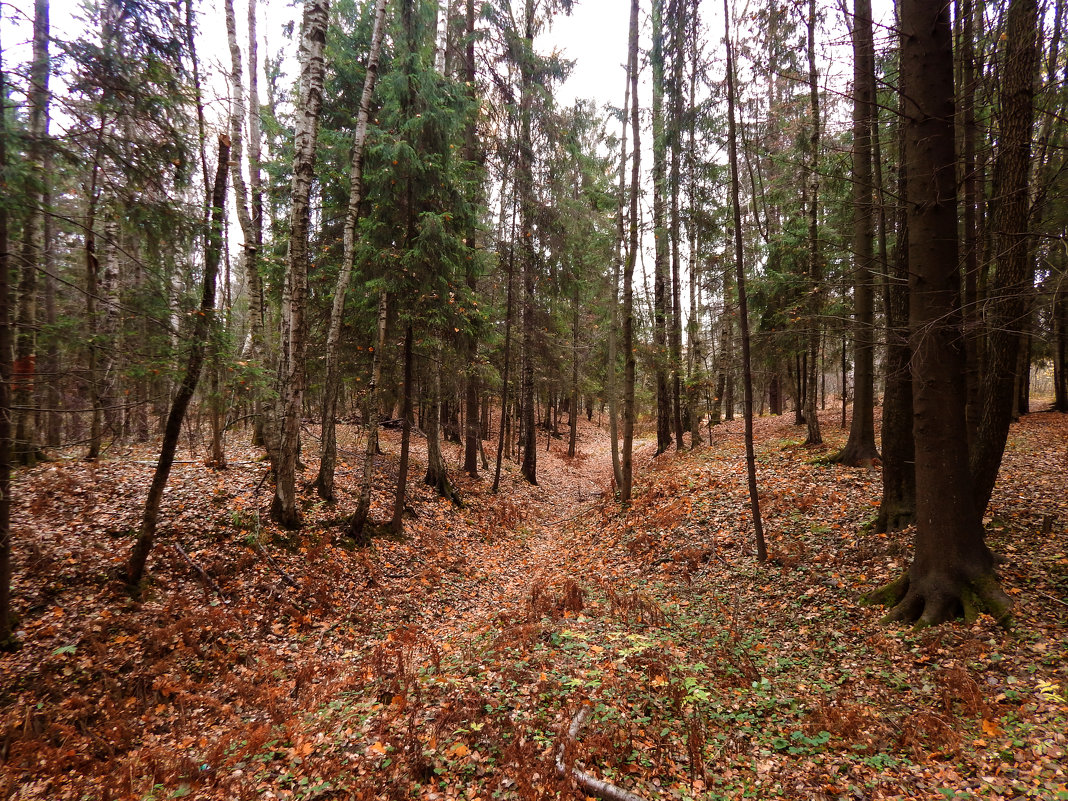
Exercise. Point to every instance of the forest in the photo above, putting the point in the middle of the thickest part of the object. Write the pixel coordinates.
(379, 422)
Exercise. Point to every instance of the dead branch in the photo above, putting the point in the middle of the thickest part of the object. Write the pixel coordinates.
(589, 783)
(205, 579)
(286, 578)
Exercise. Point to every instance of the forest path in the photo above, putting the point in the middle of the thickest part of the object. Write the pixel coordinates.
(537, 537)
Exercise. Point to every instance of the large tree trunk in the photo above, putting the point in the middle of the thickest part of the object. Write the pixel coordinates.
(472, 432)
(661, 299)
(313, 69)
(25, 450)
(677, 15)
(135, 567)
(613, 325)
(743, 311)
(324, 483)
(627, 457)
(860, 447)
(1012, 286)
(898, 507)
(970, 241)
(815, 265)
(952, 570)
(525, 187)
(6, 623)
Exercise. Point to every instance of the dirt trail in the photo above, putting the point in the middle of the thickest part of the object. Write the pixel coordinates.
(541, 547)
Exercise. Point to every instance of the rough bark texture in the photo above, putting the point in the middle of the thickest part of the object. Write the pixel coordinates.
(1012, 286)
(525, 187)
(898, 507)
(25, 448)
(815, 264)
(952, 569)
(5, 390)
(135, 567)
(627, 457)
(313, 69)
(397, 524)
(677, 16)
(860, 447)
(324, 483)
(437, 474)
(661, 299)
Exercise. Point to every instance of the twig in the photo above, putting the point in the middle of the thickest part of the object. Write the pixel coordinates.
(591, 784)
(288, 579)
(207, 580)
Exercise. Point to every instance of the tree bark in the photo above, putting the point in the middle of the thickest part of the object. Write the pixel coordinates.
(437, 474)
(525, 187)
(370, 419)
(1012, 286)
(815, 264)
(6, 622)
(661, 277)
(743, 311)
(860, 448)
(952, 571)
(25, 447)
(135, 566)
(627, 457)
(324, 483)
(284, 509)
(397, 524)
(898, 507)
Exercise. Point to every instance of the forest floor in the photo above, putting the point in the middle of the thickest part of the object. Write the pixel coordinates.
(451, 664)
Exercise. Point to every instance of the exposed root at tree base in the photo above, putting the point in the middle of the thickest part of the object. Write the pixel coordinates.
(934, 601)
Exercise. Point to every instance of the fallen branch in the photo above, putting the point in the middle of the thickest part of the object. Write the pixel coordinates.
(590, 784)
(286, 578)
(205, 579)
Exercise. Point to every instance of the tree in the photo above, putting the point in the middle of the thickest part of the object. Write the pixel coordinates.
(815, 264)
(324, 483)
(294, 341)
(743, 310)
(202, 325)
(6, 623)
(952, 570)
(860, 447)
(1012, 285)
(629, 411)
(661, 276)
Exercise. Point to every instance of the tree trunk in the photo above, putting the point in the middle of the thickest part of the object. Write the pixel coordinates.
(661, 299)
(525, 187)
(573, 406)
(815, 264)
(1011, 289)
(860, 448)
(613, 326)
(324, 483)
(743, 311)
(370, 420)
(6, 622)
(952, 570)
(472, 434)
(135, 567)
(25, 448)
(397, 524)
(677, 17)
(503, 439)
(437, 474)
(627, 457)
(284, 509)
(898, 507)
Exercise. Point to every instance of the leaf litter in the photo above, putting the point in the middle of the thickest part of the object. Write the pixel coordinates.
(451, 663)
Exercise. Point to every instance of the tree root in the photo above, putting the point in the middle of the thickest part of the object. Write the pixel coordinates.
(934, 601)
(589, 783)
